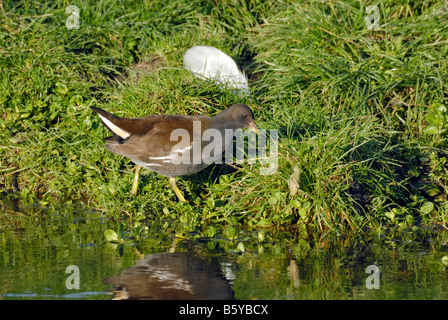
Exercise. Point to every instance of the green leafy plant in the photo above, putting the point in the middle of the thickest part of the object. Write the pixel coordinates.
(437, 118)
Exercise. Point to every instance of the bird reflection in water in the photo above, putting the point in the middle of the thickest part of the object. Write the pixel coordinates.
(171, 276)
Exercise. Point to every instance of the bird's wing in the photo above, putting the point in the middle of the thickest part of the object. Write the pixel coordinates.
(168, 136)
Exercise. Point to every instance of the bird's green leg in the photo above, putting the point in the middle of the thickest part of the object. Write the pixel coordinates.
(136, 178)
(176, 189)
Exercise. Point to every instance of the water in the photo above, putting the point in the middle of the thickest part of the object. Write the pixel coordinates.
(38, 253)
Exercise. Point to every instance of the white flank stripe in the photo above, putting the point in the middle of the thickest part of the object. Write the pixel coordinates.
(161, 158)
(152, 164)
(182, 150)
(123, 134)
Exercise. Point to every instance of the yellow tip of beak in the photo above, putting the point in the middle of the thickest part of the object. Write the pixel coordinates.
(253, 127)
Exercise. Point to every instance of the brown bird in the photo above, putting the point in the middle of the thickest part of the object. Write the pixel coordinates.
(152, 142)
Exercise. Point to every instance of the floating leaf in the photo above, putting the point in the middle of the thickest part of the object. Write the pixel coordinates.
(111, 235)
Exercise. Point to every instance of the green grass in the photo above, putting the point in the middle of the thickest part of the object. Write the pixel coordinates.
(361, 114)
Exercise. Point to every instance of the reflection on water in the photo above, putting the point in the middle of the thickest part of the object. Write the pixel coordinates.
(36, 248)
(76, 296)
(171, 276)
(332, 270)
(406, 270)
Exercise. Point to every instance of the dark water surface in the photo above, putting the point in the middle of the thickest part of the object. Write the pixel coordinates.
(47, 255)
